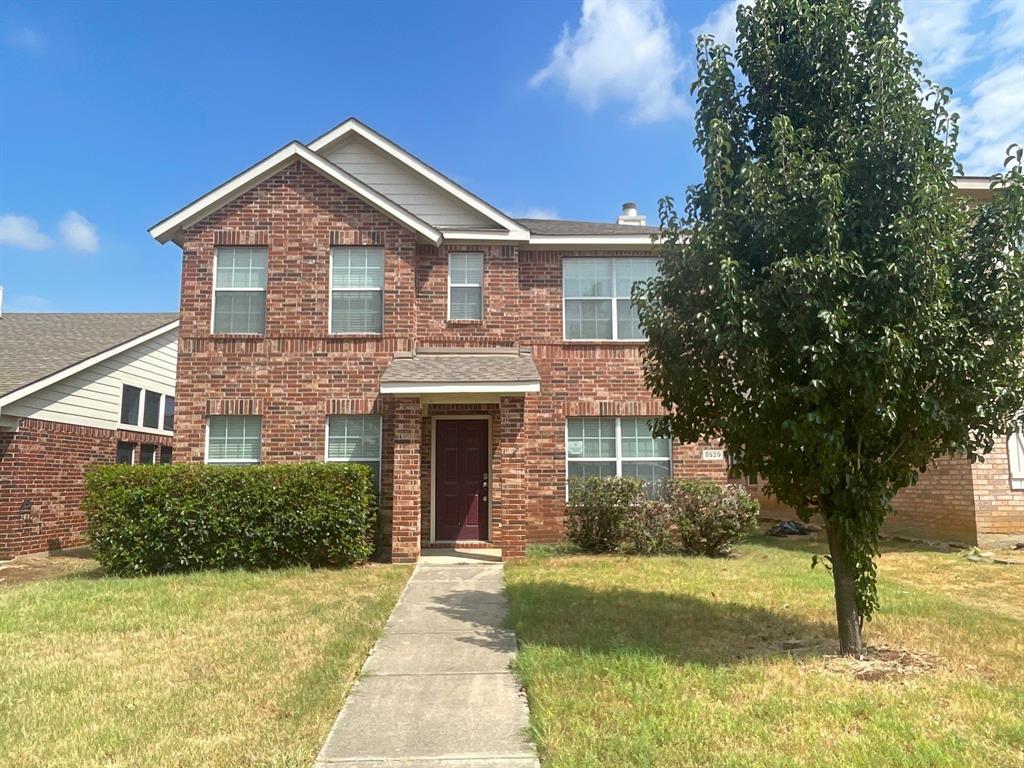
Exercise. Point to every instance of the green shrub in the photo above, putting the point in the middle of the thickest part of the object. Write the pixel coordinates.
(649, 527)
(709, 518)
(597, 516)
(188, 517)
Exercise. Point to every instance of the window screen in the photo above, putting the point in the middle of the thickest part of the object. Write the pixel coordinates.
(597, 297)
(234, 440)
(623, 447)
(240, 290)
(465, 286)
(151, 410)
(357, 289)
(355, 438)
(130, 399)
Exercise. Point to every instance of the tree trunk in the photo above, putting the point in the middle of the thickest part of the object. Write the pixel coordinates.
(847, 615)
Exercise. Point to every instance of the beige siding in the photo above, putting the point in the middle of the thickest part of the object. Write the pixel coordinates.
(404, 186)
(92, 397)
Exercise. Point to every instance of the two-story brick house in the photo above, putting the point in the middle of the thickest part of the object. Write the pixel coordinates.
(344, 301)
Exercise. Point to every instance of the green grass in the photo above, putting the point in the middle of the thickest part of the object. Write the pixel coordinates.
(208, 669)
(671, 661)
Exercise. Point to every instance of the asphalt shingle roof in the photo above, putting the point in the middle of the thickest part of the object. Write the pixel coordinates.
(567, 227)
(34, 345)
(483, 366)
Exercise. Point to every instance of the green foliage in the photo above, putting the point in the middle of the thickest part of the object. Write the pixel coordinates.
(189, 517)
(709, 518)
(696, 517)
(596, 518)
(829, 306)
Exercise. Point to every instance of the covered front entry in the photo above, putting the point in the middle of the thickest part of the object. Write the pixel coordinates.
(457, 470)
(461, 477)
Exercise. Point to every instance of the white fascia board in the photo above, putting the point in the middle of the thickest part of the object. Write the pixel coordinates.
(510, 388)
(563, 241)
(973, 182)
(352, 125)
(71, 370)
(484, 236)
(229, 190)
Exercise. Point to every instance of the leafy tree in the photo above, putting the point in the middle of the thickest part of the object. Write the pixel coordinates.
(828, 305)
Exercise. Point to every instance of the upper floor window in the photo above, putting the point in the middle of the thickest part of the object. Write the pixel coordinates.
(240, 290)
(465, 286)
(145, 408)
(1015, 447)
(357, 289)
(233, 439)
(596, 296)
(355, 438)
(616, 447)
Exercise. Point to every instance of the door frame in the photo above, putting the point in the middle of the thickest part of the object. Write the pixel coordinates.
(433, 468)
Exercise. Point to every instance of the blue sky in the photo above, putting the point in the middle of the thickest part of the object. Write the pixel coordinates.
(114, 115)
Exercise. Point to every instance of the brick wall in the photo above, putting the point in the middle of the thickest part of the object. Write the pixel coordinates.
(296, 374)
(939, 507)
(1000, 509)
(42, 469)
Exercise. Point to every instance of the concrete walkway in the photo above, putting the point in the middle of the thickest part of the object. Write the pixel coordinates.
(436, 691)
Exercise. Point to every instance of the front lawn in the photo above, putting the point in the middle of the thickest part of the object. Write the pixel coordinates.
(672, 661)
(207, 669)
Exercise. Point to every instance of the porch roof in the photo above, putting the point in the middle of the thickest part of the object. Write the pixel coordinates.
(461, 370)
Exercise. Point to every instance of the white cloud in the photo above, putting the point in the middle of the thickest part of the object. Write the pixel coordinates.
(79, 233)
(721, 23)
(26, 39)
(938, 32)
(22, 232)
(1008, 34)
(534, 212)
(622, 52)
(992, 119)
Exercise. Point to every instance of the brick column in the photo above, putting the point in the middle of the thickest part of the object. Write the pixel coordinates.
(511, 528)
(405, 498)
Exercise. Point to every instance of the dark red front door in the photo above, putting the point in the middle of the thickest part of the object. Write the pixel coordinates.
(461, 481)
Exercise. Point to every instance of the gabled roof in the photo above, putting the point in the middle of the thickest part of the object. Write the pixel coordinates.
(37, 349)
(354, 126)
(172, 226)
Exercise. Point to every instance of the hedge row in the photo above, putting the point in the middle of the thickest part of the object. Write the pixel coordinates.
(188, 517)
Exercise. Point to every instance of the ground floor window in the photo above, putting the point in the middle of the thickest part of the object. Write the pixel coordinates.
(355, 438)
(233, 439)
(125, 453)
(165, 454)
(623, 447)
(1015, 447)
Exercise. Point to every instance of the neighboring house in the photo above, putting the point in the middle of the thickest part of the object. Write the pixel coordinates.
(344, 301)
(76, 390)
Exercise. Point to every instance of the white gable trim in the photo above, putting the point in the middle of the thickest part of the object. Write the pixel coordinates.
(170, 227)
(35, 386)
(515, 230)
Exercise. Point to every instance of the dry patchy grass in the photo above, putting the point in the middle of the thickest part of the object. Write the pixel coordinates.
(206, 669)
(671, 661)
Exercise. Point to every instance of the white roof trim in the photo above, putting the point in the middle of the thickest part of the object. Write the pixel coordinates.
(584, 240)
(516, 230)
(208, 203)
(71, 370)
(507, 387)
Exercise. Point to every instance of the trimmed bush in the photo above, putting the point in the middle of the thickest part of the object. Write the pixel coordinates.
(597, 516)
(189, 517)
(649, 527)
(709, 518)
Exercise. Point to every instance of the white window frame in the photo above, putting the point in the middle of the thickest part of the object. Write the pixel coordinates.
(361, 459)
(1015, 443)
(213, 304)
(239, 462)
(137, 426)
(619, 461)
(360, 289)
(479, 285)
(615, 260)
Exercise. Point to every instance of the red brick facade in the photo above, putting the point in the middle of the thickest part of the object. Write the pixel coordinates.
(296, 374)
(42, 467)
